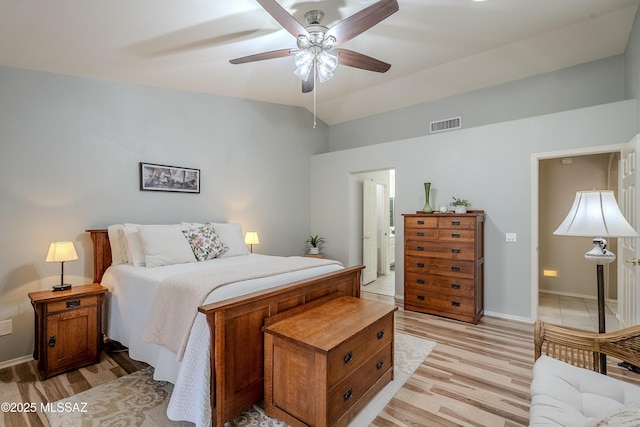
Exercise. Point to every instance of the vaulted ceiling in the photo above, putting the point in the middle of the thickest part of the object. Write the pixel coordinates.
(436, 48)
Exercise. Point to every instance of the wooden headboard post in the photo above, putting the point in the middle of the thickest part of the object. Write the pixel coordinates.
(101, 253)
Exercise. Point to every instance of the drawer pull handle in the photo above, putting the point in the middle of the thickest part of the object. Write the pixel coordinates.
(420, 281)
(420, 248)
(455, 222)
(52, 341)
(348, 394)
(380, 334)
(420, 298)
(454, 268)
(455, 235)
(455, 251)
(348, 357)
(455, 286)
(455, 303)
(73, 303)
(420, 264)
(420, 233)
(380, 364)
(420, 222)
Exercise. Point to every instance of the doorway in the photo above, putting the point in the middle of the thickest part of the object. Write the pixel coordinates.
(378, 231)
(563, 282)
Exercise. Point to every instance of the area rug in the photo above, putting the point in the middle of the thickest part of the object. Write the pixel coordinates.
(138, 400)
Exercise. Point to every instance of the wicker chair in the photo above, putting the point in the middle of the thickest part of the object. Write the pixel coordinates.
(582, 348)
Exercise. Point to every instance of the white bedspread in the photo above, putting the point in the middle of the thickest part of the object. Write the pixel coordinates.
(132, 291)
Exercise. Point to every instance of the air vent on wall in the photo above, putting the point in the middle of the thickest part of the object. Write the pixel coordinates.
(445, 125)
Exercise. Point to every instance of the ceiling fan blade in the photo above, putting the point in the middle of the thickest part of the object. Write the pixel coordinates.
(307, 85)
(360, 22)
(354, 59)
(283, 17)
(280, 53)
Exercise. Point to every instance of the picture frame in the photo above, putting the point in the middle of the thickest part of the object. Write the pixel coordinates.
(155, 177)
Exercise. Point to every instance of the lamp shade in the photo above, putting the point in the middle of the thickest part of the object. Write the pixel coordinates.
(251, 238)
(61, 251)
(595, 213)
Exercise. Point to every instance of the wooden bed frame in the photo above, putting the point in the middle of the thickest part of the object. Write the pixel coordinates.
(235, 325)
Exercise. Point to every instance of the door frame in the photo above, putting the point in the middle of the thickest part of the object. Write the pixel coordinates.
(535, 197)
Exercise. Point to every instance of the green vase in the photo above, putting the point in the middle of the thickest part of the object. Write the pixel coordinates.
(427, 206)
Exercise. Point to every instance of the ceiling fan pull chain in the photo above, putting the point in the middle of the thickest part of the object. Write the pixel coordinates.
(315, 89)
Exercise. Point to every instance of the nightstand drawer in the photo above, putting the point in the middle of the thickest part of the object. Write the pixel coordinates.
(72, 303)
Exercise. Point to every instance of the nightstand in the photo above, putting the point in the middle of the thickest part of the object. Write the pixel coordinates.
(68, 328)
(314, 255)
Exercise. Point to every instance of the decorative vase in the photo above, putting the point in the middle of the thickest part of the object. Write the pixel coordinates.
(427, 206)
(461, 209)
(314, 250)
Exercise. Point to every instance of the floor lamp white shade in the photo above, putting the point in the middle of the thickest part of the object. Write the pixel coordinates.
(596, 214)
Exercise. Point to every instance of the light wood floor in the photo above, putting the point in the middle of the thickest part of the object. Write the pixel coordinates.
(477, 375)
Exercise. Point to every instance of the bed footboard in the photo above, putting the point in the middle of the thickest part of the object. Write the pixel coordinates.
(237, 351)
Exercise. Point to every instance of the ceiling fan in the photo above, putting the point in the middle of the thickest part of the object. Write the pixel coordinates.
(316, 56)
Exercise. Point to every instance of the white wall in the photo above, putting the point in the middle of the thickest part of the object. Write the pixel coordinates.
(632, 67)
(70, 149)
(489, 165)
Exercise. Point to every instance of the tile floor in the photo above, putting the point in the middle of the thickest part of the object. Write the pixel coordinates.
(384, 285)
(575, 312)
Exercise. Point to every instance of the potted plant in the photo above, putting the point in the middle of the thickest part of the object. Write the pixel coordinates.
(460, 205)
(315, 243)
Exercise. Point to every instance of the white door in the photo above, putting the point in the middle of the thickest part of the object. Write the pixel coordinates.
(369, 239)
(628, 248)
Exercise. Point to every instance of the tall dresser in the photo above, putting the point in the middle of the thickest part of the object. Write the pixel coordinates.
(444, 264)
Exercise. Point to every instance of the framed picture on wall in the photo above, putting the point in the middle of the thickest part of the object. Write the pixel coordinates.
(169, 178)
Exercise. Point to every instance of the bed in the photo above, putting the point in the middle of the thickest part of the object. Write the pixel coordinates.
(220, 373)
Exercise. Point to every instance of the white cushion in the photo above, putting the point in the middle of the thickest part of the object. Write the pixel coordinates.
(164, 245)
(231, 234)
(118, 243)
(135, 253)
(565, 395)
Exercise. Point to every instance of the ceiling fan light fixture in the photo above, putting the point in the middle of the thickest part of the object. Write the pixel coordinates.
(304, 61)
(303, 42)
(327, 60)
(324, 74)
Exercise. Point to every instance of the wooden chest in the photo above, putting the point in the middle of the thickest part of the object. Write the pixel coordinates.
(444, 264)
(324, 364)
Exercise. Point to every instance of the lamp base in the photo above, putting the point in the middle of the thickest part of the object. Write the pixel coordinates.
(64, 287)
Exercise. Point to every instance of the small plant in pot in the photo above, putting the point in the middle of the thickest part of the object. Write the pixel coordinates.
(460, 205)
(315, 244)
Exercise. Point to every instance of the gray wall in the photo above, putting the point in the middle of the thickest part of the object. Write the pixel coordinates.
(488, 165)
(70, 149)
(632, 67)
(585, 85)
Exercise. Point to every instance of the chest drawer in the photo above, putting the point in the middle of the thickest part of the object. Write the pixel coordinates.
(463, 251)
(457, 223)
(421, 222)
(341, 397)
(441, 284)
(441, 267)
(348, 357)
(440, 302)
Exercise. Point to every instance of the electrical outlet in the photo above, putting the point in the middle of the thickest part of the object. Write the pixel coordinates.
(6, 327)
(511, 237)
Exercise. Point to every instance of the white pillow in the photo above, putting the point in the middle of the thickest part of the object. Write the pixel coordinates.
(231, 234)
(164, 245)
(118, 243)
(135, 253)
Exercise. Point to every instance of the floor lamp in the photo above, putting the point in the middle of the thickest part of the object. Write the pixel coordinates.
(596, 213)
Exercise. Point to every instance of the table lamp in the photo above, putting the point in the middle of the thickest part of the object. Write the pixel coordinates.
(61, 252)
(251, 238)
(596, 213)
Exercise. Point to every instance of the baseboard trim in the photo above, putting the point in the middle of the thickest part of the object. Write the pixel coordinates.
(8, 363)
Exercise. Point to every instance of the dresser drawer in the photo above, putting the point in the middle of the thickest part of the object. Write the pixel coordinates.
(348, 391)
(72, 303)
(420, 222)
(439, 266)
(350, 355)
(463, 236)
(421, 234)
(463, 251)
(439, 302)
(457, 223)
(440, 284)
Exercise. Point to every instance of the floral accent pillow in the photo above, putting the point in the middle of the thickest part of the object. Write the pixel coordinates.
(204, 242)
